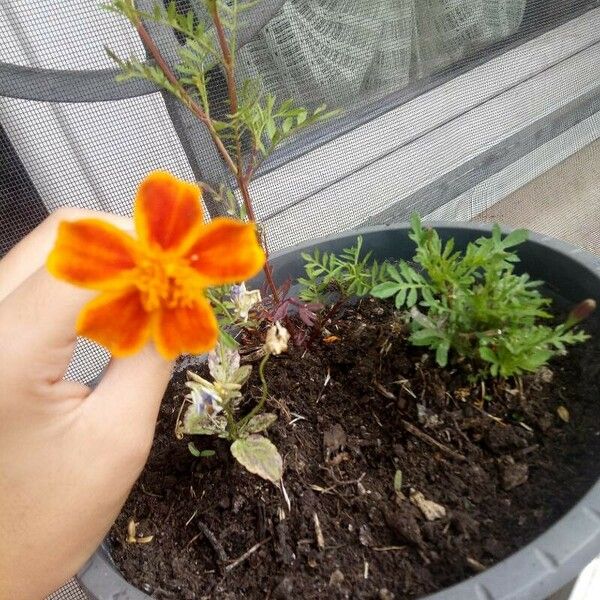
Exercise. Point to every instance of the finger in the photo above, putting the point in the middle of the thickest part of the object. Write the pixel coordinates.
(31, 252)
(129, 395)
(37, 321)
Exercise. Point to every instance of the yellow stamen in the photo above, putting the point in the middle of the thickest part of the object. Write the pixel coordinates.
(167, 282)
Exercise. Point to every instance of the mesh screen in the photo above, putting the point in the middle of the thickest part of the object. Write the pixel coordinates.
(91, 144)
(63, 35)
(70, 591)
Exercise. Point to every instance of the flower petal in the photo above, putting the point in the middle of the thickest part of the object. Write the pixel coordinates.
(91, 253)
(226, 251)
(167, 210)
(118, 321)
(185, 330)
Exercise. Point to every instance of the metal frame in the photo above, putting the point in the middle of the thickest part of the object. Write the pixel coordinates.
(52, 85)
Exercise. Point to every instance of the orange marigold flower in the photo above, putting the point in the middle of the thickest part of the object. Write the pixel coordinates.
(152, 287)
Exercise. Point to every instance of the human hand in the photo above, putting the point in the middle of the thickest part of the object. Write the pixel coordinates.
(68, 455)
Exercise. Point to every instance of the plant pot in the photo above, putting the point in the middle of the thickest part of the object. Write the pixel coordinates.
(556, 556)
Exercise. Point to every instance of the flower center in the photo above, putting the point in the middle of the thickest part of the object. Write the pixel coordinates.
(166, 282)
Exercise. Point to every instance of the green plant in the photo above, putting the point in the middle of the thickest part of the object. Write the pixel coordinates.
(213, 410)
(256, 122)
(474, 304)
(347, 273)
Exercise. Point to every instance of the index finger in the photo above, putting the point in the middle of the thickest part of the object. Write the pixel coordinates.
(31, 252)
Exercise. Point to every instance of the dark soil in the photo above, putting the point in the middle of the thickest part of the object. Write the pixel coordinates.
(503, 470)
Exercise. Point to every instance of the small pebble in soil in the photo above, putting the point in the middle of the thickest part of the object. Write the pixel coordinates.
(513, 474)
(336, 579)
(385, 594)
(284, 589)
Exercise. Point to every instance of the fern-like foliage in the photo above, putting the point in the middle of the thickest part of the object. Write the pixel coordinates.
(261, 120)
(474, 303)
(349, 273)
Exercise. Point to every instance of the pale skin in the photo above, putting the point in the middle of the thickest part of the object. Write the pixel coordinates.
(68, 455)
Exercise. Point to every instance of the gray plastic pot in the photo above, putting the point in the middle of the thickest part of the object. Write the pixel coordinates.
(555, 557)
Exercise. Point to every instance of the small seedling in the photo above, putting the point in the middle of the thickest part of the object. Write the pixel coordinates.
(347, 274)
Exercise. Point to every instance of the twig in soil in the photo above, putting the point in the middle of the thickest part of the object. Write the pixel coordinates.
(246, 555)
(475, 565)
(297, 418)
(328, 490)
(461, 432)
(213, 541)
(285, 496)
(281, 406)
(144, 491)
(377, 419)
(427, 438)
(389, 548)
(325, 384)
(487, 414)
(402, 383)
(191, 518)
(318, 532)
(383, 391)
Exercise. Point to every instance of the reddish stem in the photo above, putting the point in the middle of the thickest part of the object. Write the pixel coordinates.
(236, 170)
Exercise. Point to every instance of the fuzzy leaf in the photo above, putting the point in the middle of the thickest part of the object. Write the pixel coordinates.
(259, 456)
(260, 422)
(241, 375)
(195, 424)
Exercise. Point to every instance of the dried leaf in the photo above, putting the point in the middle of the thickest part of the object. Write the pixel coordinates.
(131, 531)
(145, 540)
(431, 510)
(260, 422)
(398, 481)
(563, 414)
(318, 532)
(259, 456)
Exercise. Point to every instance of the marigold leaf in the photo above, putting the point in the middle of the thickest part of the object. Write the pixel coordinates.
(385, 290)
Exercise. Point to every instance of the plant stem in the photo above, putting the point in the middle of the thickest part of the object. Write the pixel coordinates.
(242, 177)
(185, 97)
(265, 390)
(232, 426)
(236, 170)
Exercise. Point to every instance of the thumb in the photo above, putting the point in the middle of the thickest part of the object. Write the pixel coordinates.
(128, 397)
